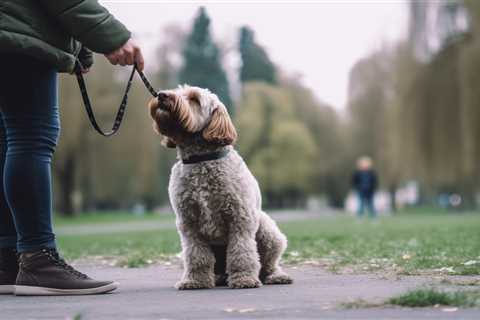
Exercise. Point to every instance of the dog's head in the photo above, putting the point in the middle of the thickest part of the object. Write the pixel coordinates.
(187, 111)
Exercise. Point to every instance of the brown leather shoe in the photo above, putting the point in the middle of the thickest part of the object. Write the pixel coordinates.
(44, 273)
(8, 270)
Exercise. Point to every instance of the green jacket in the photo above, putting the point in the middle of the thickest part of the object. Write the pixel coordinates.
(54, 30)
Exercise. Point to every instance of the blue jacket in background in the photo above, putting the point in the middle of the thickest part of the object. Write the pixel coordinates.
(365, 182)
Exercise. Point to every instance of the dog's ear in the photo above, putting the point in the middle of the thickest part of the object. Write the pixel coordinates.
(220, 129)
(168, 142)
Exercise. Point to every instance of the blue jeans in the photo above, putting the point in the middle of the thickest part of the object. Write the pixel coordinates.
(29, 129)
(365, 201)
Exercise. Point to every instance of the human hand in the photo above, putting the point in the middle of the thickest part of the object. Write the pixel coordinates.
(128, 54)
(85, 60)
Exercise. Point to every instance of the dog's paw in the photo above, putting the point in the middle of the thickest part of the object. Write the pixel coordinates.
(193, 284)
(278, 278)
(244, 282)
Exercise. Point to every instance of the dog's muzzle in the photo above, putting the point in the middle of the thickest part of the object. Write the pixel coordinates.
(163, 98)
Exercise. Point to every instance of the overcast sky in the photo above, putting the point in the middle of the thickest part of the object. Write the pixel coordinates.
(320, 40)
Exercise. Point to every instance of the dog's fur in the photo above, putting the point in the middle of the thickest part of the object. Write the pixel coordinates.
(217, 203)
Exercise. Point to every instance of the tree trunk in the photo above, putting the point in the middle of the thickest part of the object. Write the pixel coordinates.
(67, 186)
(393, 197)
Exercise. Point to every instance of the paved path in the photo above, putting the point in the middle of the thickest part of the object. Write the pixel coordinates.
(149, 225)
(148, 293)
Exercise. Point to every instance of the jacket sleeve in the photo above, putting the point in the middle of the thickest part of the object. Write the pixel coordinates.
(89, 23)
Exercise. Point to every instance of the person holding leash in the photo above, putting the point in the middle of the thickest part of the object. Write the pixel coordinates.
(39, 38)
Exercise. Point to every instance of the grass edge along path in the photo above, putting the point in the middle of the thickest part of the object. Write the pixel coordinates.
(429, 297)
(423, 298)
(403, 244)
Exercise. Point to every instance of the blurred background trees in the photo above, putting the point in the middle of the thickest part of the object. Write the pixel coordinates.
(256, 65)
(413, 106)
(202, 64)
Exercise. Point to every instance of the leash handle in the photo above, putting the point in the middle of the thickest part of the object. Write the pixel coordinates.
(123, 105)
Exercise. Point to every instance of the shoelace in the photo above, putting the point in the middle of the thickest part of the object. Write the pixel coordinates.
(55, 257)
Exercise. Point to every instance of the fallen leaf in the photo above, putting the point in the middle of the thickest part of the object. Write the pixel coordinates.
(446, 269)
(294, 253)
(449, 309)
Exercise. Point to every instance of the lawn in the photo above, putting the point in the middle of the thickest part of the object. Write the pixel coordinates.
(109, 217)
(407, 244)
(403, 244)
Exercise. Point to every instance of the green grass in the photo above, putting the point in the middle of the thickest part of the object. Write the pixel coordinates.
(405, 244)
(109, 217)
(131, 249)
(432, 297)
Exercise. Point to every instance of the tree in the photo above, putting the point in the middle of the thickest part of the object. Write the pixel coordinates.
(329, 177)
(201, 61)
(372, 116)
(256, 65)
(277, 146)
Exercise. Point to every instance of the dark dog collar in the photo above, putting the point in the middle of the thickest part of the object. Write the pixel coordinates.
(206, 157)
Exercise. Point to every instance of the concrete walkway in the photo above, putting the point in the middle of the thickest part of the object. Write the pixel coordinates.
(148, 293)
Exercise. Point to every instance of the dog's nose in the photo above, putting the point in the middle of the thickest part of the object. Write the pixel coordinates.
(162, 95)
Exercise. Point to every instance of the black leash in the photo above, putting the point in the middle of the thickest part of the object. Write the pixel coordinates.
(123, 104)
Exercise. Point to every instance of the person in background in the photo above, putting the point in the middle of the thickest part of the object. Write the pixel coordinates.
(38, 39)
(365, 182)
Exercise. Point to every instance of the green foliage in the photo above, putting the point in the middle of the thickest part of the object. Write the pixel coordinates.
(331, 163)
(292, 143)
(256, 65)
(202, 61)
(432, 297)
(278, 147)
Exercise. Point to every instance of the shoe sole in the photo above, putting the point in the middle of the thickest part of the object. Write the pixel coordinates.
(43, 291)
(7, 289)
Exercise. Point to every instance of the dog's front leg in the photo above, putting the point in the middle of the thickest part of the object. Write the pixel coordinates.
(199, 262)
(243, 264)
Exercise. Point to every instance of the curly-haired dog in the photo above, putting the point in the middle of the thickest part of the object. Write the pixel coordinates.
(215, 197)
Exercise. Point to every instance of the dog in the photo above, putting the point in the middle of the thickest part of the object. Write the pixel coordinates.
(226, 238)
